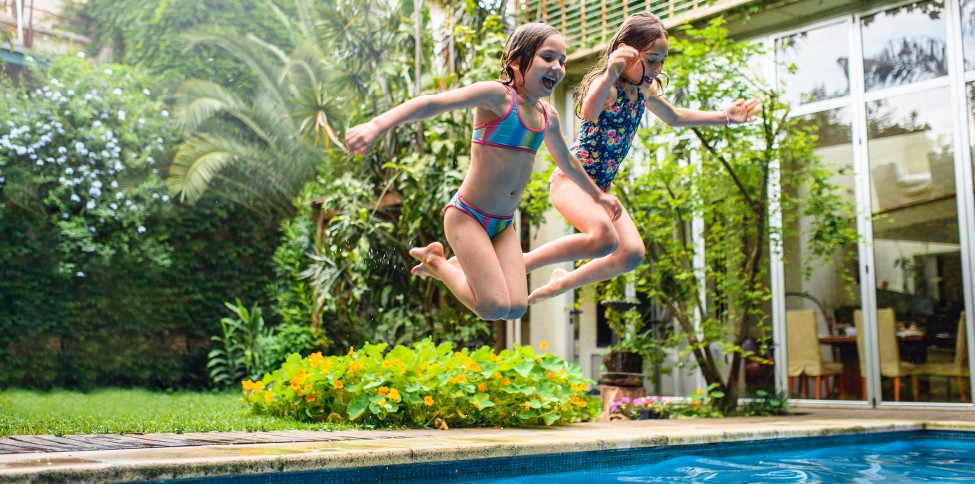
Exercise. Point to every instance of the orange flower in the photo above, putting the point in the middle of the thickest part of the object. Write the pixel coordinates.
(383, 390)
(462, 379)
(339, 385)
(550, 374)
(543, 344)
(315, 359)
(267, 397)
(310, 398)
(505, 382)
(352, 351)
(387, 364)
(482, 387)
(526, 405)
(496, 375)
(394, 395)
(428, 401)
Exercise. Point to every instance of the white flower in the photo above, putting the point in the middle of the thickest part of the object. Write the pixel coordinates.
(121, 115)
(164, 113)
(141, 229)
(79, 273)
(81, 54)
(117, 91)
(146, 92)
(75, 197)
(108, 71)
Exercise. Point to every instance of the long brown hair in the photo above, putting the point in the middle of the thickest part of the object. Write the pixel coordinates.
(522, 46)
(639, 31)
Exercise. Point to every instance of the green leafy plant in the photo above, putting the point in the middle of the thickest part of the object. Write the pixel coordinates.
(764, 404)
(703, 403)
(240, 351)
(425, 385)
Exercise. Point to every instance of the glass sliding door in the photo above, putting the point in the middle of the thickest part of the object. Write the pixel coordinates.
(916, 242)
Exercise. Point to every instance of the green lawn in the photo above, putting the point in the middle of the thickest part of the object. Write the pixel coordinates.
(117, 411)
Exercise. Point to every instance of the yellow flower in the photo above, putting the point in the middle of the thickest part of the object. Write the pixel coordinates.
(402, 372)
(428, 401)
(458, 354)
(394, 395)
(310, 398)
(382, 401)
(383, 390)
(354, 366)
(425, 366)
(352, 351)
(387, 364)
(543, 344)
(526, 405)
(267, 397)
(494, 357)
(476, 404)
(505, 382)
(482, 387)
(339, 384)
(473, 367)
(247, 385)
(496, 375)
(315, 359)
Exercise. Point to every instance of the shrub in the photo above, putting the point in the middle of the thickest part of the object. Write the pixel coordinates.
(426, 385)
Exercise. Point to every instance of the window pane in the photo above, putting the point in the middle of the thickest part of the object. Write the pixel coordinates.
(829, 294)
(821, 59)
(968, 32)
(917, 255)
(903, 45)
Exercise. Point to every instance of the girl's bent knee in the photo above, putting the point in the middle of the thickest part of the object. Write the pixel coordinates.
(517, 311)
(492, 311)
(631, 257)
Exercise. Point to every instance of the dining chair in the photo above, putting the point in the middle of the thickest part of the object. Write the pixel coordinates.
(805, 358)
(891, 365)
(958, 369)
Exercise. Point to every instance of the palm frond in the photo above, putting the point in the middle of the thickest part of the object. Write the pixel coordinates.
(198, 100)
(197, 161)
(243, 49)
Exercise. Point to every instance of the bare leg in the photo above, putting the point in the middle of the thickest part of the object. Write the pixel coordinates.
(598, 236)
(478, 279)
(625, 258)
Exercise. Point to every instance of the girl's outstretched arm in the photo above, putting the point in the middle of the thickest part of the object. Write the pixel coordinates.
(740, 111)
(490, 95)
(571, 167)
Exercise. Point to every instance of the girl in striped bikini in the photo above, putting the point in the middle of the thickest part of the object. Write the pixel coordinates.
(511, 122)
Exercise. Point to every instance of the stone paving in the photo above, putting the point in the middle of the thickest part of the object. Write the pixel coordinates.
(114, 458)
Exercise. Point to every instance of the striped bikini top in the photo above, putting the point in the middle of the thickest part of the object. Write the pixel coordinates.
(509, 131)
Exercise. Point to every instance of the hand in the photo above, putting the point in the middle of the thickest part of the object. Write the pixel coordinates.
(359, 139)
(742, 111)
(612, 205)
(621, 59)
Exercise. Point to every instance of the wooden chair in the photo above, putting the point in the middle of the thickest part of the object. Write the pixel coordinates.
(805, 359)
(958, 369)
(891, 365)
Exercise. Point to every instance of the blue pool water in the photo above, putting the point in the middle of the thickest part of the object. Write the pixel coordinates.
(914, 456)
(910, 460)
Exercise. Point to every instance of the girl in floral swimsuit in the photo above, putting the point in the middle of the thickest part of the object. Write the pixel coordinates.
(611, 99)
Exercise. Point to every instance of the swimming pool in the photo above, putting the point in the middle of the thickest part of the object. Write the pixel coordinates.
(909, 456)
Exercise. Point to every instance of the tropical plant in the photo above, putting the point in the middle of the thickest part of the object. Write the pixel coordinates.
(721, 176)
(240, 349)
(426, 385)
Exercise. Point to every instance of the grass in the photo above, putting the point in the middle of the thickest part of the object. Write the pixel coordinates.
(117, 411)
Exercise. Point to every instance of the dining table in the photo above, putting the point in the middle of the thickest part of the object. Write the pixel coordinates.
(845, 351)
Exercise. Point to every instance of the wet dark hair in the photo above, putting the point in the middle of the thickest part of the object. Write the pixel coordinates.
(639, 31)
(522, 46)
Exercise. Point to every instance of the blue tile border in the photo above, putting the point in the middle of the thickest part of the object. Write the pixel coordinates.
(476, 469)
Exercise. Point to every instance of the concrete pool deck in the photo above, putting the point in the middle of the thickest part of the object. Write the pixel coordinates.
(112, 458)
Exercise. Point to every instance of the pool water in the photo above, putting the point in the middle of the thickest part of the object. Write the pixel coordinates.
(910, 460)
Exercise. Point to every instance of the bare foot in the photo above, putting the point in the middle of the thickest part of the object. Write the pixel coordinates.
(552, 289)
(422, 271)
(429, 257)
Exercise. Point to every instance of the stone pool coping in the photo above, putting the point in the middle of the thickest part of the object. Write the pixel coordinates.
(256, 453)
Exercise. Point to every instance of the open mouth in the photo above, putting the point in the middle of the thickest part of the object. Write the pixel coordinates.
(549, 82)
